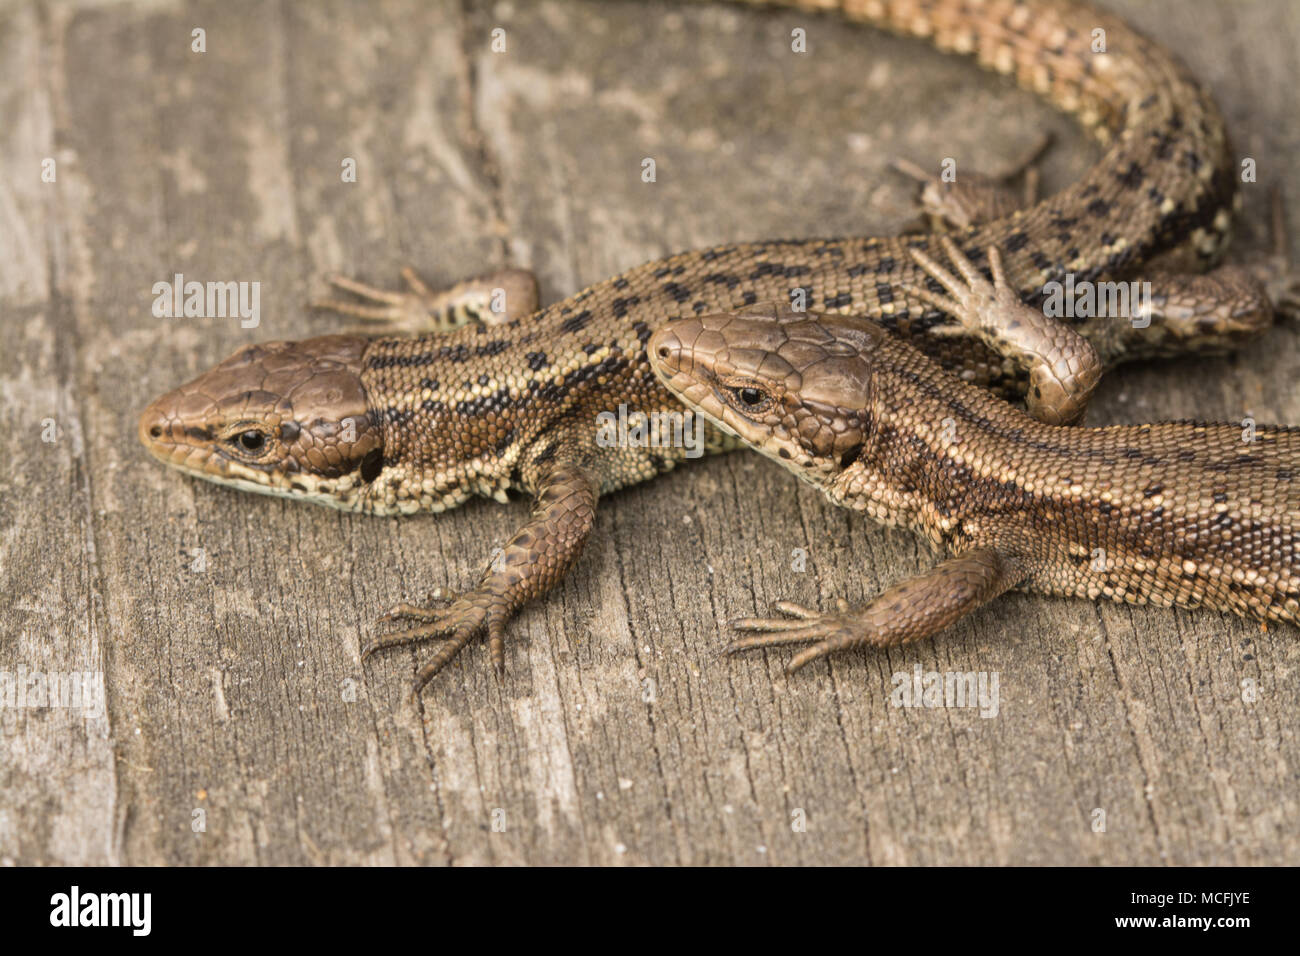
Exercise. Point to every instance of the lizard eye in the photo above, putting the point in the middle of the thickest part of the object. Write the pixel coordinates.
(251, 441)
(749, 397)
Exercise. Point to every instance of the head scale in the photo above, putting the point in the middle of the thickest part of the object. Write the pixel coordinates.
(281, 418)
(794, 385)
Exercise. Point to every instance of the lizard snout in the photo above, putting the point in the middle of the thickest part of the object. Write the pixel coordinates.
(152, 424)
(665, 350)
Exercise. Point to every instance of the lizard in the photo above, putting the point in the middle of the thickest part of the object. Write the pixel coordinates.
(1192, 514)
(494, 394)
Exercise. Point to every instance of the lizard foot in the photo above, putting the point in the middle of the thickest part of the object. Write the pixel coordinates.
(395, 311)
(972, 296)
(491, 299)
(972, 198)
(1228, 306)
(800, 625)
(457, 622)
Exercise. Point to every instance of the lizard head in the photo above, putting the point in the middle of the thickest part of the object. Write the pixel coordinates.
(795, 386)
(281, 418)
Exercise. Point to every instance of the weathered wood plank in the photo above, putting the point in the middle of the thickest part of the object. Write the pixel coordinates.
(619, 734)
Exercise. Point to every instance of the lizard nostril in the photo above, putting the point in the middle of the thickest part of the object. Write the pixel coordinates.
(663, 351)
(152, 425)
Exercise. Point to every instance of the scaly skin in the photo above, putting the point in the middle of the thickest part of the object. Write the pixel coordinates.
(1183, 513)
(393, 426)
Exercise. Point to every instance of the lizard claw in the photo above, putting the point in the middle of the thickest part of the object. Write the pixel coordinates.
(395, 312)
(949, 204)
(455, 624)
(799, 625)
(491, 299)
(1063, 366)
(971, 296)
(399, 611)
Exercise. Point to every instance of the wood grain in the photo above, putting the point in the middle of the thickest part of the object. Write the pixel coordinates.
(619, 735)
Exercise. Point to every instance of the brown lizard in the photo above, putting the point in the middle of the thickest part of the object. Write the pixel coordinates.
(1175, 513)
(508, 396)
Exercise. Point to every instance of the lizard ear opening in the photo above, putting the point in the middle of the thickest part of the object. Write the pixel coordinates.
(372, 465)
(850, 456)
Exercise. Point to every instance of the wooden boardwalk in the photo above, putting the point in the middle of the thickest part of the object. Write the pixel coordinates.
(240, 726)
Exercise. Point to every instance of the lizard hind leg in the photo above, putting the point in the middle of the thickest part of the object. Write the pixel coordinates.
(493, 298)
(908, 611)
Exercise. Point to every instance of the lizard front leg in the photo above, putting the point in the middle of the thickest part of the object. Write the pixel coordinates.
(534, 560)
(490, 299)
(908, 611)
(1063, 367)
